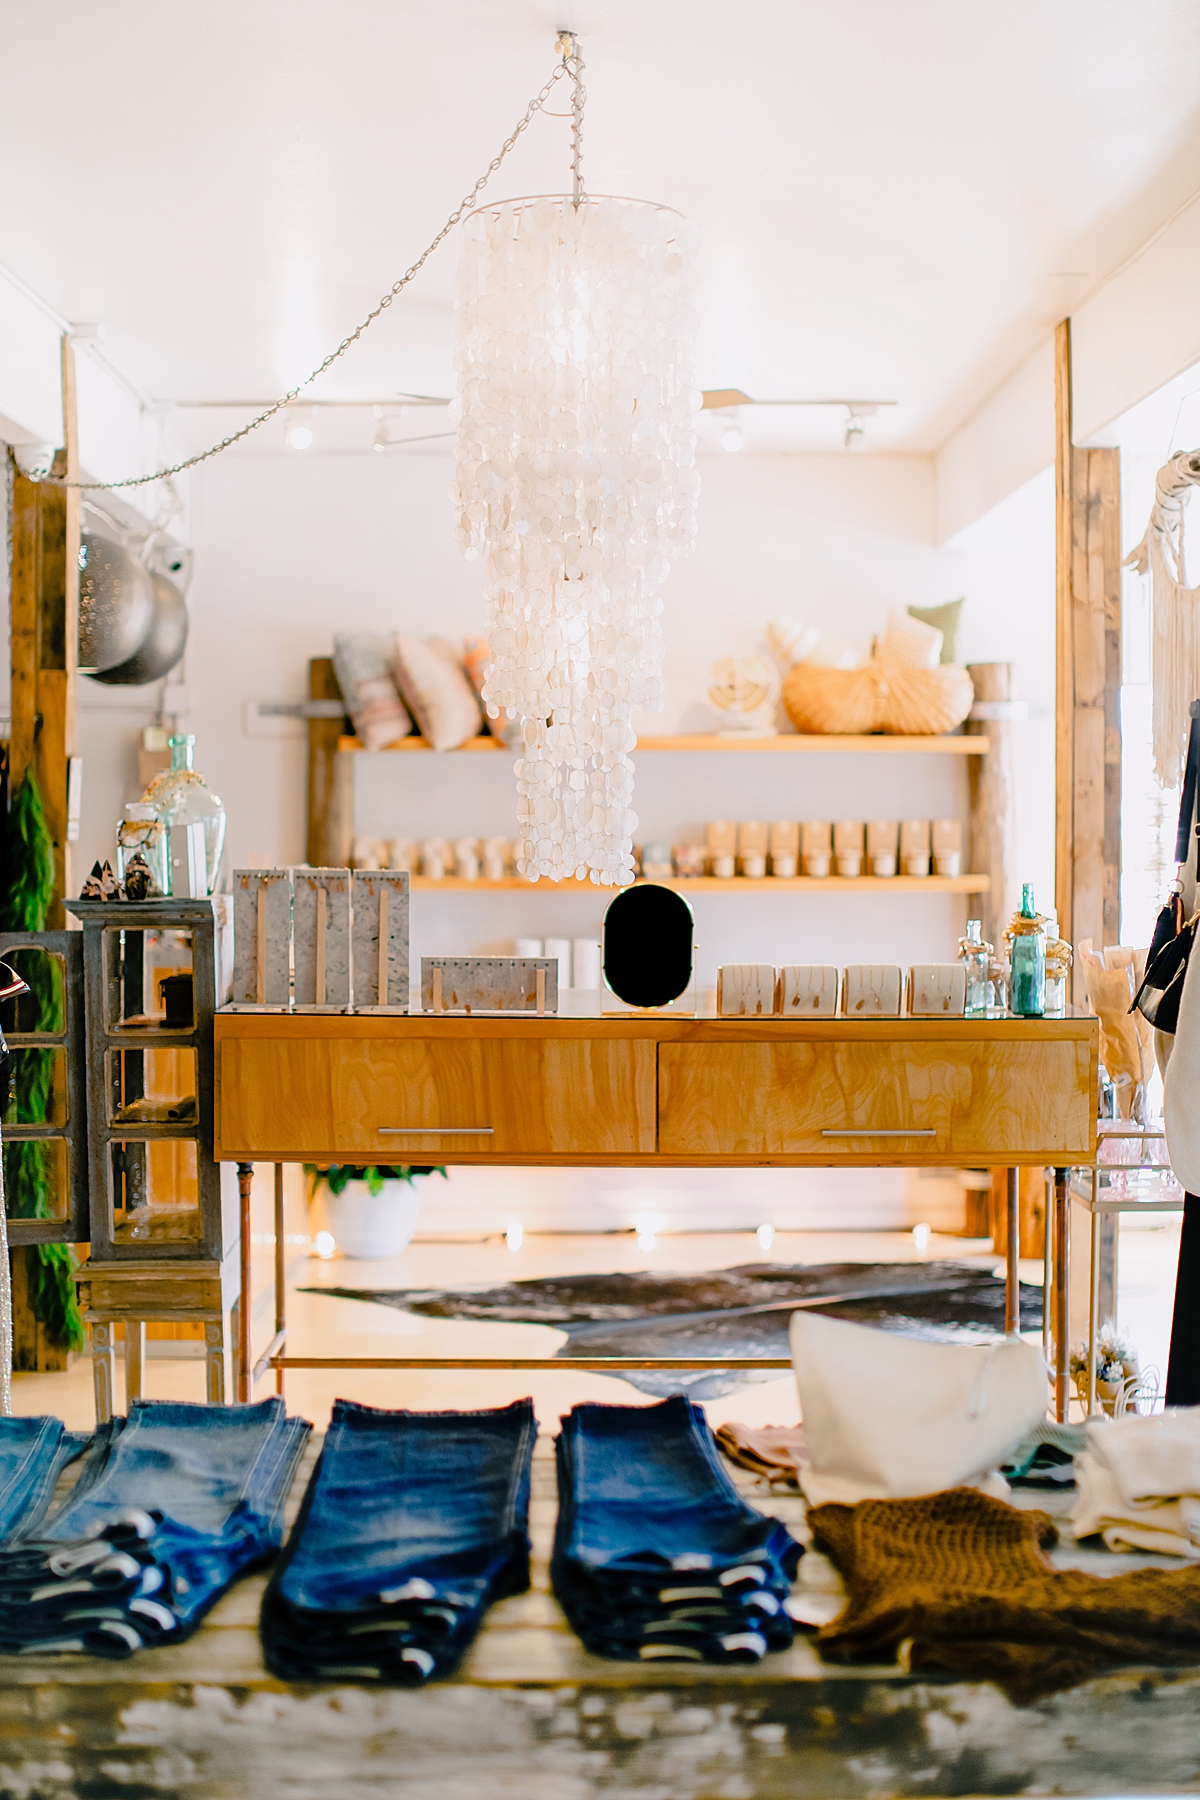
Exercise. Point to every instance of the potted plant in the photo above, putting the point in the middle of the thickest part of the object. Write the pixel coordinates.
(1118, 1375)
(371, 1209)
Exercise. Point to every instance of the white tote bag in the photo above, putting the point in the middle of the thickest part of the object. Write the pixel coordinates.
(888, 1417)
(1181, 1085)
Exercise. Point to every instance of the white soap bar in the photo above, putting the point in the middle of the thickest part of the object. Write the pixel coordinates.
(808, 990)
(872, 990)
(745, 990)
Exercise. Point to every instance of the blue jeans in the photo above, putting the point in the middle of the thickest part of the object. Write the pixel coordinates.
(412, 1525)
(172, 1503)
(656, 1554)
(33, 1453)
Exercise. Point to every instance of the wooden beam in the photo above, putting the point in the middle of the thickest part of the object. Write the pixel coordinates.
(1064, 710)
(1088, 679)
(330, 777)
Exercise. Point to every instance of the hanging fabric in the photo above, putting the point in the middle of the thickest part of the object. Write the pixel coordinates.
(1175, 655)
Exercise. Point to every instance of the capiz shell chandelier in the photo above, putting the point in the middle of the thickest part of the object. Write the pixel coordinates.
(576, 480)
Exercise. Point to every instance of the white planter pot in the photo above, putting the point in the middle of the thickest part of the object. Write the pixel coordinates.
(372, 1226)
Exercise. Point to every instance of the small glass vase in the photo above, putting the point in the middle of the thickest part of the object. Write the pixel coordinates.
(1027, 937)
(182, 797)
(976, 956)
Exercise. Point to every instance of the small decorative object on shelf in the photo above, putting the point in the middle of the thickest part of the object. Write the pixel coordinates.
(435, 859)
(1119, 1380)
(321, 939)
(808, 991)
(262, 938)
(1027, 954)
(745, 990)
(379, 940)
(937, 990)
(142, 833)
(721, 839)
(752, 839)
(848, 837)
(691, 860)
(466, 858)
(139, 883)
(101, 884)
(976, 956)
(1059, 957)
(947, 845)
(656, 862)
(816, 847)
(883, 837)
(897, 691)
(497, 858)
(785, 849)
(872, 990)
(585, 960)
(914, 846)
(482, 984)
(183, 799)
(744, 692)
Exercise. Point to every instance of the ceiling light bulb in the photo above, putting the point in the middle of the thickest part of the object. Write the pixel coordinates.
(856, 433)
(300, 437)
(731, 438)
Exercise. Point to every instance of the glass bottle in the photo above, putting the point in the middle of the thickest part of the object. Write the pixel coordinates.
(1027, 934)
(976, 955)
(182, 798)
(142, 833)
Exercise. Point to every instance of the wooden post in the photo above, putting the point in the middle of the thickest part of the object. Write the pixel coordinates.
(992, 831)
(44, 612)
(330, 777)
(1088, 734)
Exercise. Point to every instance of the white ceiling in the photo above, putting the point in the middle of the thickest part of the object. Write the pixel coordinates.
(898, 198)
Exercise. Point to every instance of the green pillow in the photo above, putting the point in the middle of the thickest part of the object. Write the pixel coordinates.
(943, 619)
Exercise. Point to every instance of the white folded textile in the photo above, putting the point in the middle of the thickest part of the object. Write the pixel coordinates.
(1151, 1458)
(1138, 1483)
(1171, 1526)
(889, 1417)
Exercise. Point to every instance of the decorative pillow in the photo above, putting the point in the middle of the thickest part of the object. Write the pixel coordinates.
(944, 619)
(436, 691)
(908, 644)
(362, 661)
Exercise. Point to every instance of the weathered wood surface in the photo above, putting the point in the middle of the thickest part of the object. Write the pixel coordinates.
(532, 1716)
(992, 826)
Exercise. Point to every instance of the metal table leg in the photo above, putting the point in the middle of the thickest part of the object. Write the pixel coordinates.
(280, 1274)
(1012, 1267)
(1061, 1295)
(245, 1175)
(1093, 1297)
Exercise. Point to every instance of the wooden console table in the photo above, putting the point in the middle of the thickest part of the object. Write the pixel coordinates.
(638, 1091)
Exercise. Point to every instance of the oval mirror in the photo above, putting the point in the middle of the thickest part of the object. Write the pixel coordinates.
(648, 945)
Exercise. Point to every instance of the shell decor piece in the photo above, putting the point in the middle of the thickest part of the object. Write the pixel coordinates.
(576, 481)
(744, 692)
(881, 697)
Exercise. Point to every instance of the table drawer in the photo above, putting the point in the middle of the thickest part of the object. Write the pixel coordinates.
(330, 1099)
(872, 1100)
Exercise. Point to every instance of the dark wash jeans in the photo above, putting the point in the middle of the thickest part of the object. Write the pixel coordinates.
(656, 1554)
(172, 1503)
(412, 1524)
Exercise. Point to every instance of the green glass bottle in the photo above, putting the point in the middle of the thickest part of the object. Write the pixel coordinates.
(1028, 984)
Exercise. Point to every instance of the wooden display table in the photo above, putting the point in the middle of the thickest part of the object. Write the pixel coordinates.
(662, 1090)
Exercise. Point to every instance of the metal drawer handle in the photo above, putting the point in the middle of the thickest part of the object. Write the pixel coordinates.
(868, 1131)
(436, 1130)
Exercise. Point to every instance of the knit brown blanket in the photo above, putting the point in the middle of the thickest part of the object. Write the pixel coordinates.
(961, 1578)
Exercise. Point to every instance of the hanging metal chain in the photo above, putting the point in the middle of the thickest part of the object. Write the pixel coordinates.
(465, 206)
(572, 57)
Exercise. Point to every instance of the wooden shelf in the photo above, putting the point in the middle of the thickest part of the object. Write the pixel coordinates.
(828, 745)
(739, 884)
